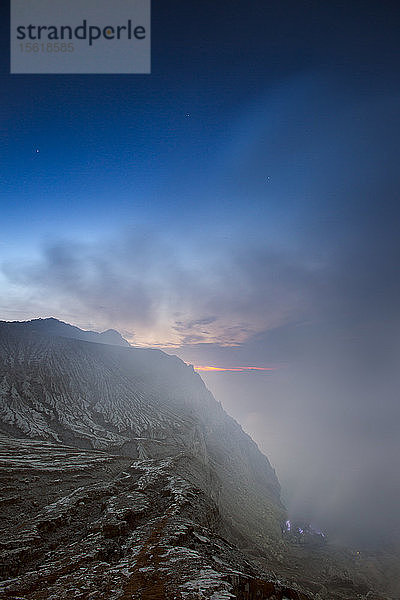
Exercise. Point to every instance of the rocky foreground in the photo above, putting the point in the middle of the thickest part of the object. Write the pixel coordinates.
(122, 478)
(83, 524)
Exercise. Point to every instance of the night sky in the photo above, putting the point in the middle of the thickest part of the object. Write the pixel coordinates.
(238, 207)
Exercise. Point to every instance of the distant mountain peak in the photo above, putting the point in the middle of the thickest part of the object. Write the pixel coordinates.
(53, 326)
(112, 336)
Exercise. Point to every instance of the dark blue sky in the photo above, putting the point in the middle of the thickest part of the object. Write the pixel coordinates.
(238, 206)
(153, 147)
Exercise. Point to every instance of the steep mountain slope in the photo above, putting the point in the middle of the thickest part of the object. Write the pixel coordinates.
(141, 403)
(110, 527)
(122, 477)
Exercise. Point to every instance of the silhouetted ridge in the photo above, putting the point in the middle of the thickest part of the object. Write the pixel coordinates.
(121, 477)
(52, 326)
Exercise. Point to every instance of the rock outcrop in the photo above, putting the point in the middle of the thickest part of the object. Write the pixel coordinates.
(87, 524)
(141, 403)
(122, 477)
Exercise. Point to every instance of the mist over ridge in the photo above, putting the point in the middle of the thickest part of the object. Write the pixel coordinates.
(234, 211)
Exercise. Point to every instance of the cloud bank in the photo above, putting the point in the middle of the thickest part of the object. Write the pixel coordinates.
(142, 283)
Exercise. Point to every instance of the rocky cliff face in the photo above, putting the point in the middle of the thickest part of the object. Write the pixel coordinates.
(88, 524)
(122, 477)
(140, 403)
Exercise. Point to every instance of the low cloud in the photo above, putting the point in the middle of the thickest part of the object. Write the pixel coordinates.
(142, 282)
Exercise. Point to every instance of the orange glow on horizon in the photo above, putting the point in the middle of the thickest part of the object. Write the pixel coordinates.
(233, 369)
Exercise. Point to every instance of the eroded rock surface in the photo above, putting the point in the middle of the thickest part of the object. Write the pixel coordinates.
(122, 477)
(138, 402)
(85, 524)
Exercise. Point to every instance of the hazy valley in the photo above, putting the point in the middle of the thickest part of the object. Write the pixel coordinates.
(122, 477)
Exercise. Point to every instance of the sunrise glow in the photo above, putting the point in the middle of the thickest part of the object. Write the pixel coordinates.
(233, 369)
